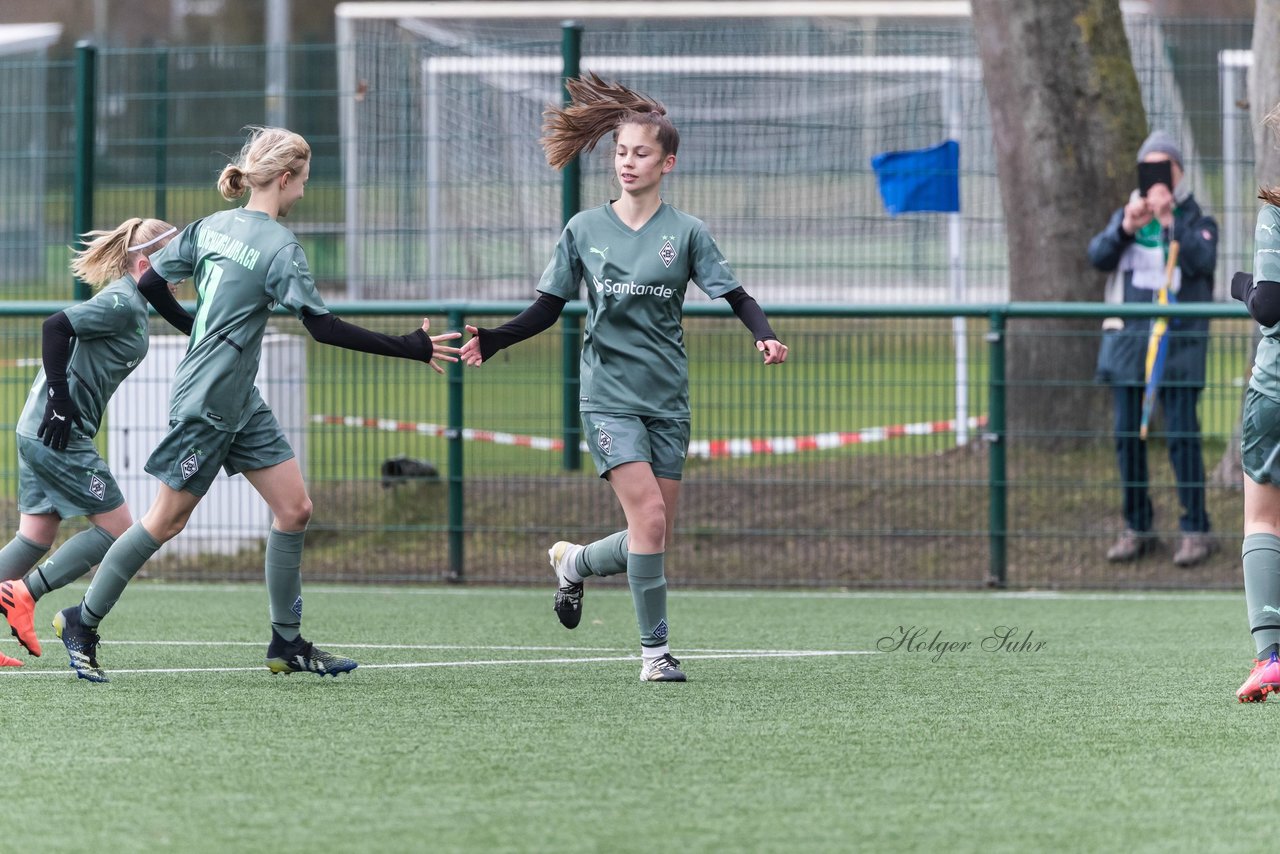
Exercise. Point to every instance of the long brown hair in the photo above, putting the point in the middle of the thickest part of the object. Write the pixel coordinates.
(1271, 195)
(599, 107)
(268, 154)
(108, 254)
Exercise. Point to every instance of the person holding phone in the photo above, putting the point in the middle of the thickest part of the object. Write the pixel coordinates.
(1134, 248)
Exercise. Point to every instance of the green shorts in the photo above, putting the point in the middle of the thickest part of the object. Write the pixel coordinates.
(1260, 438)
(189, 456)
(70, 483)
(614, 439)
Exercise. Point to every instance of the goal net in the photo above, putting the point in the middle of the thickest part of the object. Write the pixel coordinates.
(780, 107)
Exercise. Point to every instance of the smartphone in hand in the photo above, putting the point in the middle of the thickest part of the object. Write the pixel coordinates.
(1150, 174)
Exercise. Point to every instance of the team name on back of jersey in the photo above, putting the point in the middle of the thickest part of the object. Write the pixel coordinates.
(609, 287)
(228, 247)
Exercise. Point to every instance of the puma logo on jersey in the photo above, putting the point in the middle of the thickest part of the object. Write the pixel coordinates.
(1272, 610)
(1266, 226)
(115, 301)
(600, 252)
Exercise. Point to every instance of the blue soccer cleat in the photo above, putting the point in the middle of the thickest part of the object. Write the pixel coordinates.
(81, 643)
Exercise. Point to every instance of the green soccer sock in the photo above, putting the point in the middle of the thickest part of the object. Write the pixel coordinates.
(284, 581)
(604, 557)
(1261, 554)
(119, 565)
(648, 582)
(18, 556)
(77, 556)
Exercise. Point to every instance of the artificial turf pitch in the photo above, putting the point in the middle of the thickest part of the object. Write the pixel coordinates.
(477, 723)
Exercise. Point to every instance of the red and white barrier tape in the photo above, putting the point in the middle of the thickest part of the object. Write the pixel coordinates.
(703, 448)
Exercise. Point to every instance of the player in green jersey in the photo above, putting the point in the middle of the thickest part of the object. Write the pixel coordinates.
(637, 255)
(1260, 449)
(87, 351)
(244, 263)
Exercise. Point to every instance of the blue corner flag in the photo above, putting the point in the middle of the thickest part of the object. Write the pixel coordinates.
(927, 179)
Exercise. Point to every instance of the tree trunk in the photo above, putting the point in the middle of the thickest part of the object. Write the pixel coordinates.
(1068, 119)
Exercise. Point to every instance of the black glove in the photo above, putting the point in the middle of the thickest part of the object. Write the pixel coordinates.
(1240, 284)
(59, 414)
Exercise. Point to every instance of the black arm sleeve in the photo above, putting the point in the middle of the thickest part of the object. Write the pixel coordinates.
(329, 329)
(538, 317)
(750, 313)
(56, 335)
(1261, 298)
(155, 290)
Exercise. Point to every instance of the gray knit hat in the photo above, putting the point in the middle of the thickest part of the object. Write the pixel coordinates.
(1164, 143)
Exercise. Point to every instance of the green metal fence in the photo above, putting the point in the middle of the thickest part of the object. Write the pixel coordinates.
(842, 467)
(872, 458)
(466, 208)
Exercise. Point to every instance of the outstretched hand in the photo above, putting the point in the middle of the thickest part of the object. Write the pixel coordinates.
(774, 351)
(470, 351)
(438, 350)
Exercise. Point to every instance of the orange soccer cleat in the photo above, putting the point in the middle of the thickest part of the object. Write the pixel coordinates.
(20, 609)
(1263, 680)
(6, 661)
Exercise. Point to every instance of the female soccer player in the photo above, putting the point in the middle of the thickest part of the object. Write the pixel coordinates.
(244, 263)
(1260, 452)
(637, 255)
(88, 350)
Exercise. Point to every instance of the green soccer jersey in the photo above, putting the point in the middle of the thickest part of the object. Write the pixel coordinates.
(1266, 267)
(111, 339)
(244, 263)
(633, 355)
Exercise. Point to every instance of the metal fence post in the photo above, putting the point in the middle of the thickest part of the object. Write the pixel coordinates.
(86, 97)
(998, 507)
(570, 324)
(162, 135)
(456, 573)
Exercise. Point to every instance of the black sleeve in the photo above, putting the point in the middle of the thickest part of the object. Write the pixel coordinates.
(155, 290)
(330, 329)
(536, 318)
(750, 313)
(1261, 298)
(56, 335)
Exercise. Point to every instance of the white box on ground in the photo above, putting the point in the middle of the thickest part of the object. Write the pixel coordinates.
(232, 516)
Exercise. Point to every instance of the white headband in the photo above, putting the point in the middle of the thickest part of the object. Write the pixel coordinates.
(156, 239)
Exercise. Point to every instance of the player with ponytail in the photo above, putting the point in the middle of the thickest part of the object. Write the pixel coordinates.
(88, 350)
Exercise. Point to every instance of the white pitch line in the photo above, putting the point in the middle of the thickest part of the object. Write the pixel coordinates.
(906, 595)
(409, 665)
(476, 647)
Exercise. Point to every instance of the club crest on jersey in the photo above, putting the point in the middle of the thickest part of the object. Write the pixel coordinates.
(190, 466)
(605, 441)
(97, 488)
(667, 253)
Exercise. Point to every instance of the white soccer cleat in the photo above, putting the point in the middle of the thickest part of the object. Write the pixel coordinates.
(664, 668)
